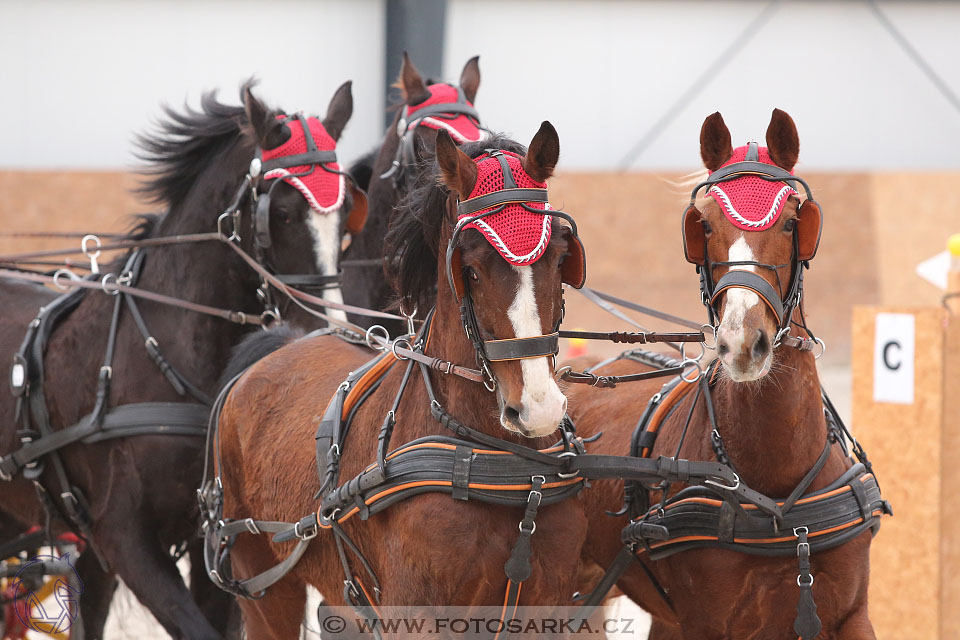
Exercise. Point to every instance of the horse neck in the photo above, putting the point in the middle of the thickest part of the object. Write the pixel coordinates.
(207, 272)
(468, 401)
(773, 429)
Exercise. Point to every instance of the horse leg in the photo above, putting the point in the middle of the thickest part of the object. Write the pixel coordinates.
(217, 605)
(857, 626)
(98, 590)
(152, 575)
(279, 614)
(660, 630)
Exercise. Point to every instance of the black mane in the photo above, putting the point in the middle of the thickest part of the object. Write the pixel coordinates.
(185, 145)
(412, 244)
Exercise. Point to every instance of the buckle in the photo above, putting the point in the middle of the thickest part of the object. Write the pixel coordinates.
(252, 526)
(308, 534)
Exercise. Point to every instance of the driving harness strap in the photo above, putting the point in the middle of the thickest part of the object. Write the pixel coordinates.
(711, 514)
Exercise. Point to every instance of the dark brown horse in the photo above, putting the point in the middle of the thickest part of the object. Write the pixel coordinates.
(428, 549)
(770, 418)
(364, 285)
(141, 490)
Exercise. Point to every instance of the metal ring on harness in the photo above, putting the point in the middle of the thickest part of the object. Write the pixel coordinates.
(107, 288)
(233, 233)
(823, 348)
(373, 332)
(696, 365)
(64, 272)
(269, 318)
(397, 343)
(713, 332)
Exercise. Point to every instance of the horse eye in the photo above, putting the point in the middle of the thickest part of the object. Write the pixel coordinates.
(790, 225)
(473, 274)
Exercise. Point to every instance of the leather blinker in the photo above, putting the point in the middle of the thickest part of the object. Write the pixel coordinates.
(809, 227)
(358, 214)
(573, 271)
(694, 239)
(261, 223)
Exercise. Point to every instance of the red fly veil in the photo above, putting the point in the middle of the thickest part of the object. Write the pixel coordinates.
(750, 202)
(461, 127)
(324, 190)
(518, 235)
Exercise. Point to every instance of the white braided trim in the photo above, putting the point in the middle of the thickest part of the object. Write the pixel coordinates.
(501, 246)
(302, 188)
(454, 133)
(786, 191)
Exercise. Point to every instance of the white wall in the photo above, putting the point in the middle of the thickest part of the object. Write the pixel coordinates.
(604, 71)
(79, 79)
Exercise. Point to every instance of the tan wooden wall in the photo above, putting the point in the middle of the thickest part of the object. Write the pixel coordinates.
(877, 228)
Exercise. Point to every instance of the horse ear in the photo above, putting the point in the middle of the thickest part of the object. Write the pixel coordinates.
(543, 154)
(715, 146)
(783, 143)
(470, 78)
(414, 89)
(809, 228)
(458, 170)
(270, 133)
(339, 111)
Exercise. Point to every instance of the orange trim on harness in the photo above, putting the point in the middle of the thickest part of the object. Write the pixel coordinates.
(675, 396)
(839, 527)
(366, 381)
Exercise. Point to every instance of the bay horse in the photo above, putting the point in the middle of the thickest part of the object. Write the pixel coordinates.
(268, 427)
(137, 494)
(759, 410)
(387, 173)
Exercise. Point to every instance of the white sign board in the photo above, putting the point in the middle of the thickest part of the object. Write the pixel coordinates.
(893, 350)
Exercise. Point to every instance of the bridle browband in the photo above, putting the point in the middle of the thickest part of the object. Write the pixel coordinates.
(782, 307)
(407, 127)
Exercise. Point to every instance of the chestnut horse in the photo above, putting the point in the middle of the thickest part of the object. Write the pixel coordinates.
(769, 417)
(428, 549)
(138, 508)
(387, 173)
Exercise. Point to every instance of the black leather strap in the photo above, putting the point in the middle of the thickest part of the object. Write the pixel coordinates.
(503, 196)
(301, 159)
(741, 279)
(520, 348)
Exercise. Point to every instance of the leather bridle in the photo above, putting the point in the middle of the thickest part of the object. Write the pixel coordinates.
(407, 125)
(494, 349)
(806, 238)
(259, 204)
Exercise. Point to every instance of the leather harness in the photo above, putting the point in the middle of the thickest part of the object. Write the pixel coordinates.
(707, 514)
(38, 439)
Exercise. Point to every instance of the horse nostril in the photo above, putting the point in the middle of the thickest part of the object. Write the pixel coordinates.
(512, 415)
(762, 346)
(723, 348)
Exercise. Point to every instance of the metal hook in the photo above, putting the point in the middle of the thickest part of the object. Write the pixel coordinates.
(64, 272)
(94, 267)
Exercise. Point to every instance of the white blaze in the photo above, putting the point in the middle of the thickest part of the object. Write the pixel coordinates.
(542, 402)
(325, 229)
(739, 301)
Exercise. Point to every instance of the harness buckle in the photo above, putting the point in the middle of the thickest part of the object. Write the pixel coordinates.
(720, 485)
(308, 534)
(573, 474)
(252, 526)
(801, 584)
(532, 529)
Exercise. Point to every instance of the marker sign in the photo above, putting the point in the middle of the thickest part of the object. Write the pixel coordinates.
(893, 350)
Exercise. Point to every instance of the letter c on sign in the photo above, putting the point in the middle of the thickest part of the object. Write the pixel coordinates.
(886, 355)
